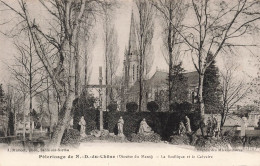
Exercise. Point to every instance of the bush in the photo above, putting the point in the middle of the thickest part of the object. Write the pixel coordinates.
(184, 107)
(208, 144)
(71, 137)
(112, 107)
(2, 133)
(255, 142)
(236, 142)
(174, 106)
(180, 140)
(228, 135)
(162, 123)
(145, 138)
(131, 107)
(84, 106)
(152, 106)
(108, 138)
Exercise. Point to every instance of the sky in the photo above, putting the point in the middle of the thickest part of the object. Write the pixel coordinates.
(121, 20)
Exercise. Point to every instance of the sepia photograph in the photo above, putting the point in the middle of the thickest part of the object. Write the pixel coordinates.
(129, 82)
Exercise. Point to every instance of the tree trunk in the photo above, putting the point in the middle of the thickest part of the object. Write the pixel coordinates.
(77, 75)
(170, 57)
(30, 119)
(85, 71)
(64, 118)
(140, 87)
(48, 102)
(200, 97)
(15, 123)
(24, 130)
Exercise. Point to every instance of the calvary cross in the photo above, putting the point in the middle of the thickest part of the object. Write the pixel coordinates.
(100, 87)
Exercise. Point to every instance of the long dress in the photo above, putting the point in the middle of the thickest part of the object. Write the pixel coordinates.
(82, 124)
(188, 128)
(120, 124)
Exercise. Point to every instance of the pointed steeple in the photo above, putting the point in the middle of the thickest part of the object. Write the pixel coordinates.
(132, 36)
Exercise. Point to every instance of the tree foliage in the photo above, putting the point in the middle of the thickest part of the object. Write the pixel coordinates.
(179, 84)
(131, 107)
(112, 106)
(211, 89)
(152, 106)
(144, 33)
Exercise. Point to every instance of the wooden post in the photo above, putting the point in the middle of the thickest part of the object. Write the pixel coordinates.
(100, 98)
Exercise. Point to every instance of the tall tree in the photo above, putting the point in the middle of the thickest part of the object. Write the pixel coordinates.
(175, 13)
(29, 72)
(144, 32)
(111, 53)
(113, 60)
(20, 93)
(217, 27)
(255, 88)
(14, 104)
(211, 88)
(66, 17)
(233, 90)
(3, 111)
(86, 44)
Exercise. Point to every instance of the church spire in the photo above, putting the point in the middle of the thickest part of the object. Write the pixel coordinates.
(132, 35)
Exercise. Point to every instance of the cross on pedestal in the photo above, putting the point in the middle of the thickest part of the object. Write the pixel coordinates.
(100, 87)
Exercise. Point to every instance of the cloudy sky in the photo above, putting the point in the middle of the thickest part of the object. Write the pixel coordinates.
(122, 24)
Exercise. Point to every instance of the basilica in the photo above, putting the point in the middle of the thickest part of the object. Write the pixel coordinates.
(154, 87)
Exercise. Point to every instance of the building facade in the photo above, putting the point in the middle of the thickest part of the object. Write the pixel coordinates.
(154, 88)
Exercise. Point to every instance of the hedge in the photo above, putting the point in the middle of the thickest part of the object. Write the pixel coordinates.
(162, 123)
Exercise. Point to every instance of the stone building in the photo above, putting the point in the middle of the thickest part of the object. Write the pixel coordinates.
(154, 87)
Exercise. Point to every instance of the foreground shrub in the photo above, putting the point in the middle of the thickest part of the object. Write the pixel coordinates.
(131, 107)
(107, 138)
(152, 106)
(173, 106)
(255, 142)
(145, 138)
(229, 136)
(180, 140)
(71, 137)
(84, 106)
(236, 141)
(208, 144)
(17, 143)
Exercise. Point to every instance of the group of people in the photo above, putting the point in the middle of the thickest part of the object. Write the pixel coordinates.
(183, 129)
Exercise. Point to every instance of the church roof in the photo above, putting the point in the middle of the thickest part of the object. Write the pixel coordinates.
(193, 78)
(132, 36)
(160, 79)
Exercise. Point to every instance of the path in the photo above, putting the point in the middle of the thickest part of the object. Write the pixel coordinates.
(132, 154)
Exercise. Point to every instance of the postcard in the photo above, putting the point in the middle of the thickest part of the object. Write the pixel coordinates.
(129, 82)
